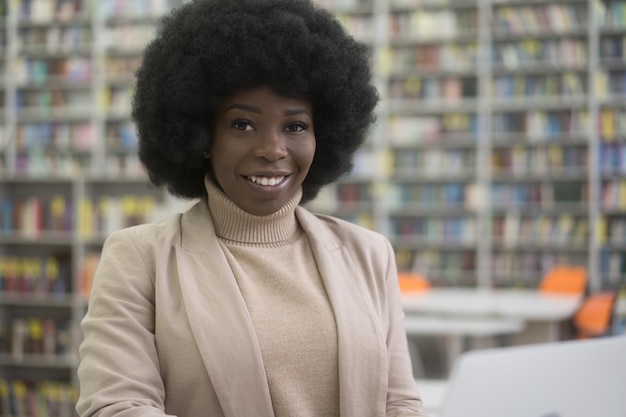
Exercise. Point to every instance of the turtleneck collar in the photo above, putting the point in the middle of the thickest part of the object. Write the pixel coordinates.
(234, 224)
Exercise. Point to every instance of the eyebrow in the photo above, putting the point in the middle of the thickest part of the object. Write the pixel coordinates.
(254, 109)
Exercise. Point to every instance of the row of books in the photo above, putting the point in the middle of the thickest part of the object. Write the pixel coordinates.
(128, 37)
(104, 215)
(611, 84)
(461, 195)
(42, 278)
(37, 336)
(540, 18)
(59, 102)
(122, 9)
(613, 195)
(555, 159)
(526, 53)
(434, 162)
(612, 123)
(612, 158)
(563, 85)
(613, 48)
(557, 89)
(427, 196)
(450, 267)
(62, 136)
(121, 67)
(515, 229)
(54, 39)
(422, 24)
(50, 10)
(611, 14)
(21, 398)
(567, 52)
(35, 276)
(530, 264)
(449, 89)
(64, 163)
(613, 265)
(539, 194)
(541, 125)
(115, 100)
(57, 135)
(612, 231)
(33, 71)
(448, 57)
(402, 130)
(434, 231)
(32, 216)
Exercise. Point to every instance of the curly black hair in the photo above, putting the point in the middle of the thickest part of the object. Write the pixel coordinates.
(206, 50)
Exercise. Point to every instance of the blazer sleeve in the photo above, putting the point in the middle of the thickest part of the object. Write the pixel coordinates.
(403, 399)
(119, 368)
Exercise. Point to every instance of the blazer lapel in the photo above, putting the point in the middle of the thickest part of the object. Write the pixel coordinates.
(360, 337)
(219, 319)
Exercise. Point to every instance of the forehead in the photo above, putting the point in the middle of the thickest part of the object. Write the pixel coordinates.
(262, 99)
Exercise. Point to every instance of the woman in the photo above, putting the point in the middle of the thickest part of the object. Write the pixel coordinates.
(248, 304)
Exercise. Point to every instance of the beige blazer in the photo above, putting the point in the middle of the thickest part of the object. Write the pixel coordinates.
(167, 331)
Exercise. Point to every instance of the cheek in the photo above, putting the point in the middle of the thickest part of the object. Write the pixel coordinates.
(306, 153)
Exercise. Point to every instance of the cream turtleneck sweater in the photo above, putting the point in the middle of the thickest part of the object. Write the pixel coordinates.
(273, 264)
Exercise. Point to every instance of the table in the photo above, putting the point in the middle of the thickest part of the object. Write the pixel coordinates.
(524, 304)
(461, 310)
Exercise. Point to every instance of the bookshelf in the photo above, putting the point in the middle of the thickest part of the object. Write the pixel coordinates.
(502, 144)
(69, 176)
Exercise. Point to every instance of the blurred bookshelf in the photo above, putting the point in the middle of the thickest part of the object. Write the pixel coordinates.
(69, 176)
(500, 148)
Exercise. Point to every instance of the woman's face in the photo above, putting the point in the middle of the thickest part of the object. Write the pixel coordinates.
(263, 147)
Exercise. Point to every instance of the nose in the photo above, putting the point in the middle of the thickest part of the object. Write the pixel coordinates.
(271, 146)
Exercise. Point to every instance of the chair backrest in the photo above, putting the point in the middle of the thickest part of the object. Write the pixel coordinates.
(412, 282)
(593, 318)
(564, 279)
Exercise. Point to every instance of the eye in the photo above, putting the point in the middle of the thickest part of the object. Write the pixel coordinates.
(242, 125)
(297, 127)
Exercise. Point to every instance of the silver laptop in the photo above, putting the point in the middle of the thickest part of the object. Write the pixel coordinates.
(583, 378)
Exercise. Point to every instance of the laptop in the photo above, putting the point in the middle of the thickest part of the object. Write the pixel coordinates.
(582, 378)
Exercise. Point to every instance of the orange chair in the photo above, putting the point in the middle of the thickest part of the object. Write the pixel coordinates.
(564, 279)
(412, 282)
(593, 318)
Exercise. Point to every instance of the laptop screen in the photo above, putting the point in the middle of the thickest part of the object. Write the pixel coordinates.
(580, 378)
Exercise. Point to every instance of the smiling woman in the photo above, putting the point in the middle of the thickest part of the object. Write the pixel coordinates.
(248, 304)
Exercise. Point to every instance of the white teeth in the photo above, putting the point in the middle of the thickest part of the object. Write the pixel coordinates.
(266, 180)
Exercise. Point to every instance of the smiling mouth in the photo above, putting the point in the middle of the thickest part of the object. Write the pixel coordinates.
(266, 181)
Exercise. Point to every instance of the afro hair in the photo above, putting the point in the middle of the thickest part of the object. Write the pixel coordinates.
(206, 50)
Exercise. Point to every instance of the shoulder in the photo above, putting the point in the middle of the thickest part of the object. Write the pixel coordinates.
(147, 240)
(166, 231)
